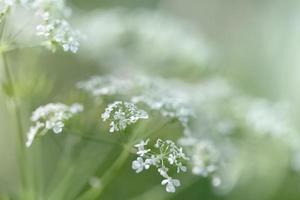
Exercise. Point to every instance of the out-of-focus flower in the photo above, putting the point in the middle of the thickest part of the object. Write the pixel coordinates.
(52, 21)
(155, 93)
(205, 157)
(175, 46)
(99, 86)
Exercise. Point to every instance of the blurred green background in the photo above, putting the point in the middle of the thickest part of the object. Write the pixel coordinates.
(256, 46)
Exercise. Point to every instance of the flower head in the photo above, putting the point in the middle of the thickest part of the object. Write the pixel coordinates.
(51, 117)
(121, 114)
(164, 156)
(52, 21)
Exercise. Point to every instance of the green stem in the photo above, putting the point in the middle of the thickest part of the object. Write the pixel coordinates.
(95, 193)
(21, 153)
(93, 139)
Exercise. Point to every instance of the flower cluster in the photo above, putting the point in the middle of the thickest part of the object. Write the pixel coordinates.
(54, 28)
(53, 25)
(127, 35)
(59, 33)
(264, 117)
(121, 114)
(205, 158)
(163, 157)
(106, 85)
(154, 93)
(168, 106)
(51, 117)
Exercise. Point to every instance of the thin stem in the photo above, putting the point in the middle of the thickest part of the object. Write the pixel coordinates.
(95, 193)
(18, 116)
(14, 36)
(21, 47)
(14, 99)
(91, 138)
(94, 139)
(154, 132)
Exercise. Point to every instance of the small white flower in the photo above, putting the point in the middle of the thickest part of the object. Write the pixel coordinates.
(141, 147)
(71, 45)
(138, 165)
(171, 184)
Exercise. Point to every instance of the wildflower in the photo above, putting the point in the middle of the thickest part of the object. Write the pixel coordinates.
(121, 114)
(106, 85)
(264, 117)
(154, 93)
(138, 165)
(59, 33)
(171, 184)
(163, 156)
(51, 117)
(177, 42)
(141, 147)
(53, 26)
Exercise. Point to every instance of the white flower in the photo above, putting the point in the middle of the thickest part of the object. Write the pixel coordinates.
(176, 42)
(33, 132)
(141, 148)
(53, 26)
(106, 85)
(121, 114)
(71, 45)
(59, 33)
(164, 156)
(51, 117)
(138, 165)
(171, 184)
(154, 93)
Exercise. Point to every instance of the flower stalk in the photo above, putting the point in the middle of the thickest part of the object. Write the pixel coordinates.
(13, 99)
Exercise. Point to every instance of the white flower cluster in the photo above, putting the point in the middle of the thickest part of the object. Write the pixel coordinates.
(264, 117)
(163, 156)
(53, 26)
(205, 158)
(51, 117)
(59, 33)
(168, 106)
(121, 114)
(155, 93)
(106, 85)
(127, 35)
